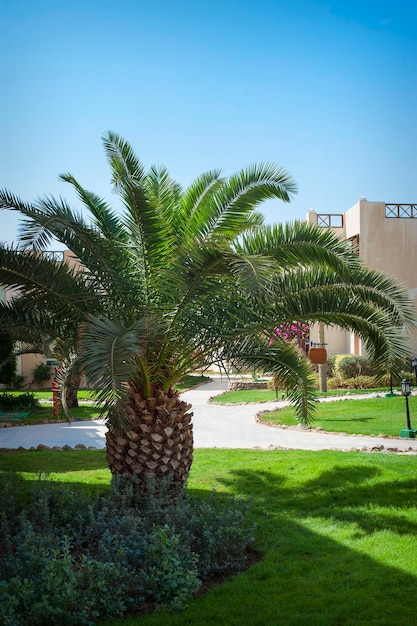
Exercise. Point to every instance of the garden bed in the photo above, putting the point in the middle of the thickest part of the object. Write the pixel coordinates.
(243, 385)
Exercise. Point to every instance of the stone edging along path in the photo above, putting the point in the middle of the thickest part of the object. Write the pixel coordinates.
(215, 426)
(359, 442)
(375, 448)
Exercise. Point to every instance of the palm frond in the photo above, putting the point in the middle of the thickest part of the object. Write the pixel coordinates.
(164, 196)
(197, 205)
(111, 356)
(30, 324)
(312, 290)
(125, 166)
(106, 221)
(141, 194)
(242, 193)
(284, 361)
(298, 243)
(45, 281)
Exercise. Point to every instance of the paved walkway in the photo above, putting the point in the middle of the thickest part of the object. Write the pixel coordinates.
(215, 426)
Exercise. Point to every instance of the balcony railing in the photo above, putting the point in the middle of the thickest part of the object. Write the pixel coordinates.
(402, 211)
(330, 220)
(55, 255)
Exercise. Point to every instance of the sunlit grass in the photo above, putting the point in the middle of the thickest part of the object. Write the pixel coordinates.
(245, 396)
(45, 413)
(46, 394)
(372, 416)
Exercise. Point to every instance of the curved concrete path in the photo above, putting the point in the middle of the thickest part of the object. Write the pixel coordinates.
(215, 426)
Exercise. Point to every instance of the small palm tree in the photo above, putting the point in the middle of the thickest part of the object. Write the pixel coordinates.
(184, 275)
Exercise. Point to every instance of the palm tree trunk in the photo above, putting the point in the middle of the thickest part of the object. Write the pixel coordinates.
(159, 442)
(72, 392)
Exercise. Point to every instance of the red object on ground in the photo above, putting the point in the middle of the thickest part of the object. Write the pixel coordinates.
(55, 397)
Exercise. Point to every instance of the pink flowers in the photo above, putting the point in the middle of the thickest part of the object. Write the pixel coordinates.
(297, 332)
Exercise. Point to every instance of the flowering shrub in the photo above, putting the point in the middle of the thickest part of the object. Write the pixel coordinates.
(296, 332)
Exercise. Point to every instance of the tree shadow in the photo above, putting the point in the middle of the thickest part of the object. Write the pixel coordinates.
(342, 494)
(350, 420)
(307, 577)
(326, 579)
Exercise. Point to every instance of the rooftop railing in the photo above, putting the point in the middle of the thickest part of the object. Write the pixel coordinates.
(402, 211)
(54, 255)
(330, 220)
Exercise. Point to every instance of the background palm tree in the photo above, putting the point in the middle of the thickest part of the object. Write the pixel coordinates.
(34, 330)
(182, 275)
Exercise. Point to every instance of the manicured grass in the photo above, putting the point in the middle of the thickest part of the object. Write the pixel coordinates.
(337, 531)
(83, 412)
(245, 396)
(46, 394)
(371, 416)
(186, 382)
(191, 380)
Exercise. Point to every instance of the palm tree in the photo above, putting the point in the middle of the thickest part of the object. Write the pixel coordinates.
(34, 331)
(182, 275)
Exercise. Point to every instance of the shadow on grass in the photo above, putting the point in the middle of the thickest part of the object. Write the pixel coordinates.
(337, 552)
(350, 420)
(343, 494)
(329, 581)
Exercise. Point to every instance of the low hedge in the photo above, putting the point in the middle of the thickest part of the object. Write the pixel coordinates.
(68, 559)
(20, 402)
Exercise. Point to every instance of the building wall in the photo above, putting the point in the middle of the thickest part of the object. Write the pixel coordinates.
(387, 238)
(26, 364)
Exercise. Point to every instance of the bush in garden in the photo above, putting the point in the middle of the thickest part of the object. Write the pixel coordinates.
(331, 364)
(360, 382)
(335, 383)
(20, 402)
(72, 560)
(367, 382)
(351, 365)
(41, 373)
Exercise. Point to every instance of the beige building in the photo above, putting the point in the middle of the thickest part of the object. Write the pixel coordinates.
(386, 238)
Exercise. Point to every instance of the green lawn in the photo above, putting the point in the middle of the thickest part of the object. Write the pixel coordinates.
(186, 382)
(83, 412)
(337, 531)
(372, 416)
(245, 396)
(46, 394)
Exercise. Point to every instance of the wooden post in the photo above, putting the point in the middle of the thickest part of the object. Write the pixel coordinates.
(55, 397)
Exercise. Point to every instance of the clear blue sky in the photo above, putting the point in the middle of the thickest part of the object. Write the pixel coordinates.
(326, 89)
